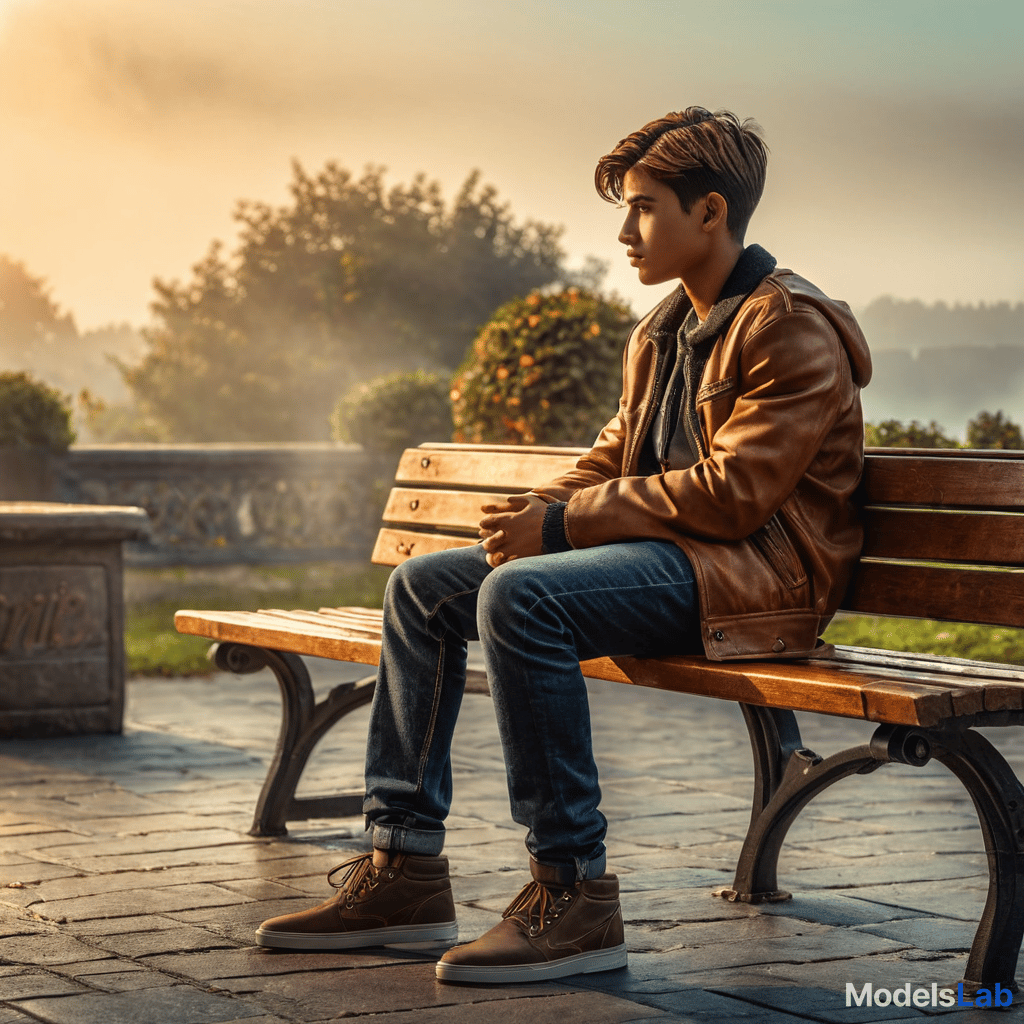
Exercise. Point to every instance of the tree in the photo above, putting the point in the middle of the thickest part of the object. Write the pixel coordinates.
(34, 333)
(894, 434)
(348, 280)
(988, 431)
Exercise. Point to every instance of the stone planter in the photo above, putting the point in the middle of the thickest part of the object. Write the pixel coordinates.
(62, 664)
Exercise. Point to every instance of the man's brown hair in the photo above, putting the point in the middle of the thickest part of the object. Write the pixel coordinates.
(694, 152)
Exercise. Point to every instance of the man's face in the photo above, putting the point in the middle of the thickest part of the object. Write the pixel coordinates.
(663, 240)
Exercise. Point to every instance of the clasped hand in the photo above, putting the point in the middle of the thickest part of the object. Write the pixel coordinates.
(513, 529)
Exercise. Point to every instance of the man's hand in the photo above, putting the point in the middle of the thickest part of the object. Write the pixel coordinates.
(513, 529)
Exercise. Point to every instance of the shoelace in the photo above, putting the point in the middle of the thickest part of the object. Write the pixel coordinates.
(360, 875)
(536, 906)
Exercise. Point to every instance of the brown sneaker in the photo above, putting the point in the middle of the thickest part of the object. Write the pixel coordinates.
(548, 931)
(382, 899)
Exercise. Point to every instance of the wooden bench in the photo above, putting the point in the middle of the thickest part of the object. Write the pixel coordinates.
(944, 540)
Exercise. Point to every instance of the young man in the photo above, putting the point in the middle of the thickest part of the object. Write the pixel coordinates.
(714, 513)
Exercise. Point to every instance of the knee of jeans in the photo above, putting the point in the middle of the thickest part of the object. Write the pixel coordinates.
(507, 593)
(404, 584)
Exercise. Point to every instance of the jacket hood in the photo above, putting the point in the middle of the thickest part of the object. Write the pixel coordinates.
(839, 315)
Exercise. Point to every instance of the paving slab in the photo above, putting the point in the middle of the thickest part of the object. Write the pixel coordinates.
(46, 948)
(253, 962)
(353, 991)
(171, 939)
(178, 1003)
(9, 1015)
(135, 889)
(129, 902)
(29, 984)
(566, 1008)
(113, 926)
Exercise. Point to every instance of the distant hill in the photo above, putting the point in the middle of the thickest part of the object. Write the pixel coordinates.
(909, 325)
(948, 385)
(944, 363)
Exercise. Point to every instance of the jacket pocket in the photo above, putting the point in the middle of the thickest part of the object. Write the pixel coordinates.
(709, 392)
(772, 541)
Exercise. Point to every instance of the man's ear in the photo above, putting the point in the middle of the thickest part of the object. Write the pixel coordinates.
(716, 211)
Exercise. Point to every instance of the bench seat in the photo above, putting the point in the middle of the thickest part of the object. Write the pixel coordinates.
(877, 686)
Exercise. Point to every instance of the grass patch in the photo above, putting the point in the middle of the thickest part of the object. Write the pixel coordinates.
(926, 636)
(152, 596)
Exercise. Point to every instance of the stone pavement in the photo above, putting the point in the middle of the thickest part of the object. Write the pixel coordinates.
(129, 889)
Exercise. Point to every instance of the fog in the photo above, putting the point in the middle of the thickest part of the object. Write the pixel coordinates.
(131, 129)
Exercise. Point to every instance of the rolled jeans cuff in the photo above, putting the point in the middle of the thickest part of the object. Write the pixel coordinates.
(579, 871)
(402, 839)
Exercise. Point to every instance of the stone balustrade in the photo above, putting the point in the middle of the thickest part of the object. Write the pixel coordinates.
(235, 503)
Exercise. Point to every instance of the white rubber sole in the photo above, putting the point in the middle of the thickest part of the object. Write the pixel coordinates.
(425, 933)
(581, 963)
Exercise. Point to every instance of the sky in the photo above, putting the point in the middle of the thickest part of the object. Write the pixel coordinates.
(129, 129)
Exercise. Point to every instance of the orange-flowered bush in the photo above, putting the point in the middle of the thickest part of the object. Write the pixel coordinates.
(545, 370)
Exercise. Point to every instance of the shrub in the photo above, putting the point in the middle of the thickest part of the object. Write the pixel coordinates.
(894, 434)
(998, 431)
(32, 414)
(394, 412)
(545, 370)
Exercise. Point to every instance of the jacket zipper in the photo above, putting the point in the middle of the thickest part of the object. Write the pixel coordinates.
(692, 427)
(645, 423)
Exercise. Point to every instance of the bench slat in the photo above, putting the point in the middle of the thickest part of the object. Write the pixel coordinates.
(947, 479)
(878, 659)
(451, 510)
(504, 471)
(938, 592)
(265, 629)
(351, 628)
(394, 546)
(992, 538)
(799, 686)
(977, 537)
(963, 480)
(370, 617)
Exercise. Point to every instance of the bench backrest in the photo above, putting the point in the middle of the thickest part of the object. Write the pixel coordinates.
(944, 535)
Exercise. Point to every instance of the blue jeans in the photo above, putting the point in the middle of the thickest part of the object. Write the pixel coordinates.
(536, 618)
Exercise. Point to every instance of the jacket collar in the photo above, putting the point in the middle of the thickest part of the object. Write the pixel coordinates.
(753, 266)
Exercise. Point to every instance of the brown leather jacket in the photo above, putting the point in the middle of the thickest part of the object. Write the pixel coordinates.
(767, 518)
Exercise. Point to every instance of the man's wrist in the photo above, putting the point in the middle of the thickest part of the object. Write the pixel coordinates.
(553, 535)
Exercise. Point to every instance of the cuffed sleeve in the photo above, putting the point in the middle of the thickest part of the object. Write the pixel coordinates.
(553, 537)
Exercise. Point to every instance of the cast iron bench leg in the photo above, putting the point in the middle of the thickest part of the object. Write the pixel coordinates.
(787, 776)
(999, 800)
(303, 724)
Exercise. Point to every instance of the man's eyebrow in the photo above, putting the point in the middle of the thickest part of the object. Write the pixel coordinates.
(640, 198)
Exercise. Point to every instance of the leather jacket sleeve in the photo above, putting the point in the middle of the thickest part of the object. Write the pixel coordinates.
(778, 394)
